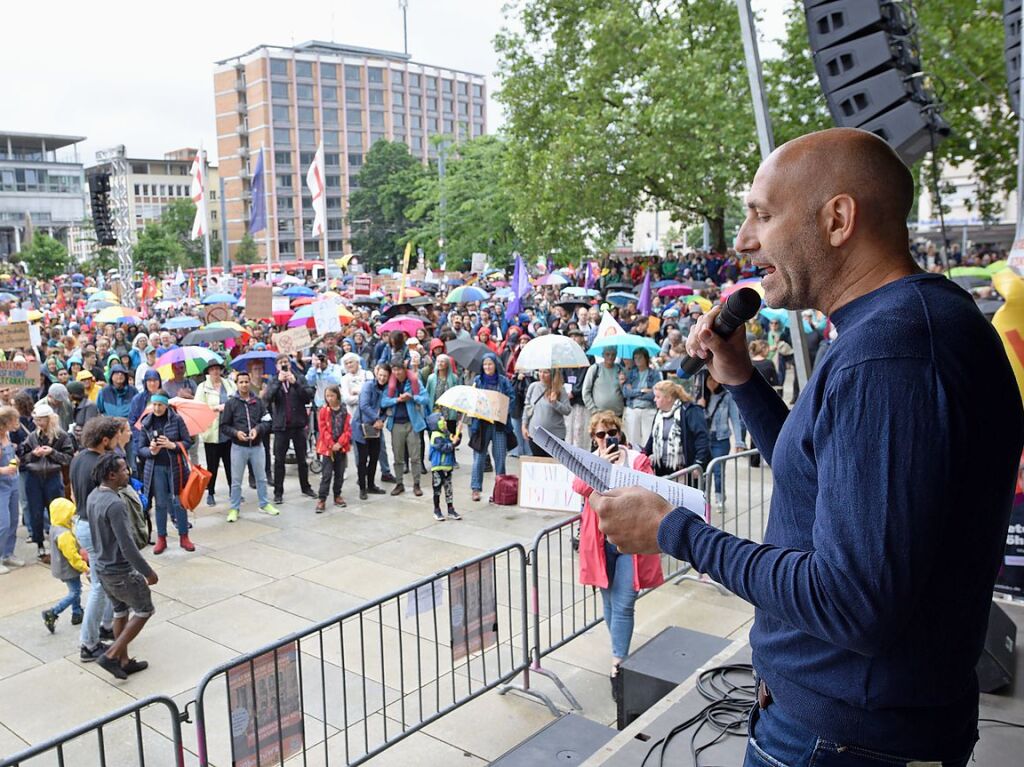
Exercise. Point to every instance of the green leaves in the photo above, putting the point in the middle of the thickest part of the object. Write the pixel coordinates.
(44, 256)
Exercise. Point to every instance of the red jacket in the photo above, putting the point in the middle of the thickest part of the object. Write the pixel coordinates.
(324, 443)
(593, 571)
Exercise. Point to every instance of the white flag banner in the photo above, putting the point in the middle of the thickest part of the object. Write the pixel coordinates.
(609, 327)
(199, 197)
(315, 182)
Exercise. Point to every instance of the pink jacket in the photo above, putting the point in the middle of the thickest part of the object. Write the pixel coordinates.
(593, 570)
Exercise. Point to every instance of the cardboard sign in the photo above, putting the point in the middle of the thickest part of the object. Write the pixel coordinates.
(259, 302)
(473, 605)
(544, 483)
(363, 285)
(218, 313)
(15, 335)
(325, 315)
(291, 341)
(19, 375)
(479, 263)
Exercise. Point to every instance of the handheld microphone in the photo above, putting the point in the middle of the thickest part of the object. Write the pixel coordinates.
(739, 307)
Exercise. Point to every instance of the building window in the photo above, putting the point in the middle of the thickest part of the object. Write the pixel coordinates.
(398, 119)
(330, 138)
(446, 86)
(397, 98)
(355, 140)
(333, 203)
(416, 122)
(376, 98)
(306, 158)
(137, 186)
(432, 124)
(431, 84)
(283, 158)
(449, 106)
(376, 119)
(478, 110)
(329, 72)
(416, 144)
(307, 137)
(304, 92)
(286, 203)
(355, 160)
(140, 168)
(353, 95)
(304, 69)
(329, 95)
(307, 116)
(353, 73)
(281, 113)
(332, 181)
(478, 129)
(375, 75)
(463, 88)
(431, 104)
(330, 117)
(284, 181)
(279, 91)
(279, 67)
(414, 80)
(463, 109)
(397, 77)
(282, 136)
(145, 190)
(286, 248)
(331, 159)
(354, 118)
(375, 137)
(286, 225)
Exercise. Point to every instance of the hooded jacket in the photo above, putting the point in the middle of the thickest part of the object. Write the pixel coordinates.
(141, 400)
(69, 563)
(115, 401)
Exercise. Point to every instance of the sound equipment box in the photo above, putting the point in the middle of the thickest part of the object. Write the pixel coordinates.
(570, 739)
(995, 668)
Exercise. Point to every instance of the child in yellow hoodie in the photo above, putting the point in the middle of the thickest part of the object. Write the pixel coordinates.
(66, 563)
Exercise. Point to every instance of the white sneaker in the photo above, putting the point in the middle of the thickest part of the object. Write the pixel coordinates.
(3, 570)
(14, 562)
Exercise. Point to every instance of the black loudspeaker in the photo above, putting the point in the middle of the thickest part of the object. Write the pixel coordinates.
(1011, 27)
(570, 739)
(99, 198)
(995, 668)
(869, 68)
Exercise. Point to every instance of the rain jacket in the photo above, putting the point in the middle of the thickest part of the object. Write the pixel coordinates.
(210, 396)
(69, 564)
(141, 401)
(325, 440)
(176, 431)
(414, 406)
(114, 401)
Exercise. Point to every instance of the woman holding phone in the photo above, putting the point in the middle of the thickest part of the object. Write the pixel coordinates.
(619, 576)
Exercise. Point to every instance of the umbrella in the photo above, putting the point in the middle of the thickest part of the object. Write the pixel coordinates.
(969, 271)
(465, 294)
(675, 290)
(8, 297)
(626, 344)
(621, 299)
(98, 305)
(297, 291)
(467, 353)
(750, 282)
(366, 301)
(503, 293)
(702, 302)
(619, 286)
(269, 360)
(208, 335)
(408, 324)
(454, 282)
(551, 279)
(971, 282)
(281, 317)
(551, 351)
(429, 287)
(395, 310)
(196, 358)
(486, 404)
(218, 298)
(304, 315)
(302, 301)
(780, 315)
(78, 276)
(386, 272)
(162, 305)
(182, 323)
(575, 290)
(997, 266)
(198, 416)
(104, 295)
(289, 280)
(115, 313)
(663, 284)
(572, 304)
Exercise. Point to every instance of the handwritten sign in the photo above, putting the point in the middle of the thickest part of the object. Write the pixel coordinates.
(15, 335)
(325, 316)
(544, 483)
(479, 263)
(291, 341)
(363, 285)
(218, 313)
(259, 302)
(19, 375)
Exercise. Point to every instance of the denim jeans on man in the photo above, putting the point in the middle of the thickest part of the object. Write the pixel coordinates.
(99, 611)
(719, 447)
(40, 490)
(480, 458)
(619, 600)
(777, 740)
(167, 502)
(256, 458)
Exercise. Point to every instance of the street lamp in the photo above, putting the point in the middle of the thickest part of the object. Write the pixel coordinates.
(404, 5)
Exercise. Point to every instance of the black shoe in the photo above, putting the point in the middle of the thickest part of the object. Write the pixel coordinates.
(88, 656)
(438, 515)
(362, 494)
(112, 665)
(616, 680)
(76, 619)
(374, 490)
(49, 620)
(278, 499)
(210, 500)
(387, 478)
(106, 634)
(135, 666)
(308, 492)
(453, 514)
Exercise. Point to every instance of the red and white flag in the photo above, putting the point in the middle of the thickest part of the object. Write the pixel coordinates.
(199, 197)
(317, 190)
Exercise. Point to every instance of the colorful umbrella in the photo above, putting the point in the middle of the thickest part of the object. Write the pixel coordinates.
(302, 301)
(269, 360)
(675, 290)
(98, 305)
(297, 291)
(551, 279)
(182, 323)
(626, 344)
(218, 298)
(5, 297)
(196, 358)
(779, 315)
(103, 295)
(228, 324)
(282, 317)
(113, 314)
(408, 324)
(466, 294)
(486, 404)
(304, 315)
(34, 315)
(198, 416)
(750, 282)
(551, 351)
(702, 302)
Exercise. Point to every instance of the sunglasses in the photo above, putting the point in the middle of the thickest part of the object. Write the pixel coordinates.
(609, 433)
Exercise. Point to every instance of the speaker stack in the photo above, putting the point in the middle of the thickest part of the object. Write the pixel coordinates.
(869, 67)
(99, 198)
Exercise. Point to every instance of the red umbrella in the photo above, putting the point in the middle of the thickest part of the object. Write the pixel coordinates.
(282, 317)
(674, 291)
(406, 323)
(302, 301)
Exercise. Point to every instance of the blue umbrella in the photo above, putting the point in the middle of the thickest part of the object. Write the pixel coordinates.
(626, 344)
(78, 277)
(504, 293)
(621, 299)
(242, 361)
(182, 323)
(298, 291)
(386, 272)
(218, 298)
(575, 290)
(454, 281)
(8, 297)
(776, 314)
(664, 284)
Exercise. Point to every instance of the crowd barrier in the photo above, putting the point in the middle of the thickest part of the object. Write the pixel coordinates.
(347, 688)
(119, 738)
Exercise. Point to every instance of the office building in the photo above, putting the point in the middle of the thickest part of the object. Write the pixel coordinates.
(41, 186)
(284, 100)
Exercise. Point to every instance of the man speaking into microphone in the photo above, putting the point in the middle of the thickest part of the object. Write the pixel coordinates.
(888, 516)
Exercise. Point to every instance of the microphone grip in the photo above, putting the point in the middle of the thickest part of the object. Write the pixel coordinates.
(741, 306)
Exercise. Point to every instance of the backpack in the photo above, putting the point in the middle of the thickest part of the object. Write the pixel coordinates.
(138, 520)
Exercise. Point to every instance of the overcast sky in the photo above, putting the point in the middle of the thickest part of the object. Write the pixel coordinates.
(141, 74)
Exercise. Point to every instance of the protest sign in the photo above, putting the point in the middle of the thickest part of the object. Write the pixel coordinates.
(291, 341)
(19, 375)
(259, 302)
(325, 316)
(15, 335)
(217, 313)
(473, 606)
(479, 263)
(363, 285)
(544, 483)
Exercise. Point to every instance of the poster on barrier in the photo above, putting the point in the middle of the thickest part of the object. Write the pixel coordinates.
(265, 694)
(1010, 579)
(544, 483)
(473, 606)
(425, 598)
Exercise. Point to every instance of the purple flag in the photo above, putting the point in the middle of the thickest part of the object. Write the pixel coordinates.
(258, 216)
(520, 287)
(644, 304)
(591, 277)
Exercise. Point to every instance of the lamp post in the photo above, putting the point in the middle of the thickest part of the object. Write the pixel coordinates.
(404, 5)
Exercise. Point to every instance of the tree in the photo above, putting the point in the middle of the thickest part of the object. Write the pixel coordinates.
(157, 251)
(100, 260)
(177, 218)
(613, 104)
(478, 213)
(45, 256)
(377, 207)
(247, 252)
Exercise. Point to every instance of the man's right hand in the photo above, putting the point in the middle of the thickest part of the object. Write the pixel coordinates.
(152, 579)
(242, 436)
(727, 358)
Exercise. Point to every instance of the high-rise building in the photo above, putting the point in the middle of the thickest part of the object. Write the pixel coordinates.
(283, 100)
(41, 187)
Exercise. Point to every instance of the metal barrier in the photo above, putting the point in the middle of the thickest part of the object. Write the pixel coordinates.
(739, 494)
(351, 686)
(561, 608)
(115, 745)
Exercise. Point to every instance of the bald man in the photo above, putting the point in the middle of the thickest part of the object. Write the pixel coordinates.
(889, 514)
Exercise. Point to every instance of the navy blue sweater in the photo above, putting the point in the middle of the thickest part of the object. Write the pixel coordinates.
(894, 475)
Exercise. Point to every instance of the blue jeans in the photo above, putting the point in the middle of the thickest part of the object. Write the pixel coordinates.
(385, 465)
(777, 740)
(40, 491)
(166, 501)
(99, 610)
(480, 458)
(73, 598)
(619, 600)
(719, 447)
(517, 427)
(8, 516)
(256, 458)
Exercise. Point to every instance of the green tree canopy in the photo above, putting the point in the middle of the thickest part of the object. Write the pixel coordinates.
(156, 251)
(247, 253)
(377, 208)
(44, 256)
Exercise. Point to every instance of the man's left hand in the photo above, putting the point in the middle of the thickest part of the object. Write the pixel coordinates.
(629, 517)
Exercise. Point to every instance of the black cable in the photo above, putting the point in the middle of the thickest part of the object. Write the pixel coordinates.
(1002, 722)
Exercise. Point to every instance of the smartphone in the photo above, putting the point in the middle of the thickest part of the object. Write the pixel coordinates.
(611, 443)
